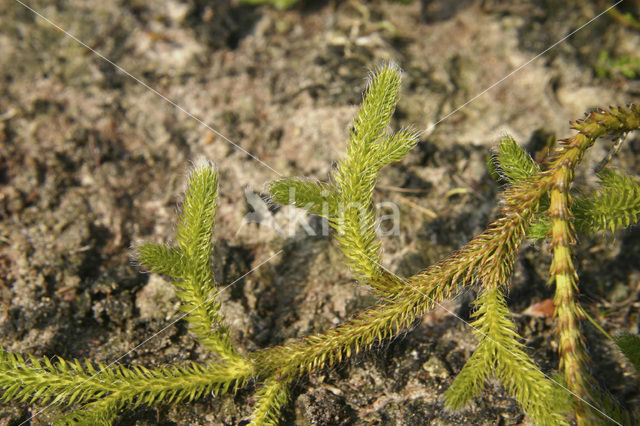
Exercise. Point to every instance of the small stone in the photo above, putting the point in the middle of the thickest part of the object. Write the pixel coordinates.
(155, 300)
(436, 368)
(619, 293)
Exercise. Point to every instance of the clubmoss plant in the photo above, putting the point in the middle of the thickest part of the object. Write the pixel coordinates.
(630, 347)
(536, 204)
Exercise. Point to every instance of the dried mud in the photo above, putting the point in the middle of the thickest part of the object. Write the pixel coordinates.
(92, 161)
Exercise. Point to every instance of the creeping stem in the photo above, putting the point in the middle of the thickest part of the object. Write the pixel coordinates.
(487, 259)
(488, 256)
(568, 312)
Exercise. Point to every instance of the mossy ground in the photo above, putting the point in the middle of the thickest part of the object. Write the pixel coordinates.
(91, 162)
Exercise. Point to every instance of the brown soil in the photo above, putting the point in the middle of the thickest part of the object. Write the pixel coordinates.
(92, 161)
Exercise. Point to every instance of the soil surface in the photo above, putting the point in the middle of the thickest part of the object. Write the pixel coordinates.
(94, 153)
